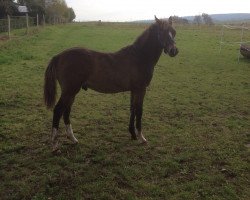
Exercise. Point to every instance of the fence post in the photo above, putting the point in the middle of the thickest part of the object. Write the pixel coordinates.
(242, 33)
(221, 37)
(37, 20)
(27, 23)
(43, 20)
(8, 18)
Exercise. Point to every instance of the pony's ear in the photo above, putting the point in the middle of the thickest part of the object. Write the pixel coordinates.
(170, 20)
(157, 20)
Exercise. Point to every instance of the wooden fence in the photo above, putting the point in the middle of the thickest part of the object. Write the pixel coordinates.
(11, 23)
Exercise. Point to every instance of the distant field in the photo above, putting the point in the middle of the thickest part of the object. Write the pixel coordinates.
(196, 119)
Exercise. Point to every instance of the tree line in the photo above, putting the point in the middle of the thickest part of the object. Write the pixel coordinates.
(55, 11)
(204, 18)
(198, 19)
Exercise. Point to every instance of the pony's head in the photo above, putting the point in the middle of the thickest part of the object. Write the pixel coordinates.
(166, 35)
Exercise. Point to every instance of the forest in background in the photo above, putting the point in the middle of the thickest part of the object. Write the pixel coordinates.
(54, 10)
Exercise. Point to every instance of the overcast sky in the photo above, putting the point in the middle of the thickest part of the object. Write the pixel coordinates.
(128, 10)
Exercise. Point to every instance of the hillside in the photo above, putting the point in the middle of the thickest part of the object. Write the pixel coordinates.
(226, 17)
(216, 17)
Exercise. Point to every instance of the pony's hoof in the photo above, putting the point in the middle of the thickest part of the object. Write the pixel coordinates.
(72, 139)
(56, 152)
(133, 137)
(70, 134)
(55, 148)
(142, 139)
(75, 141)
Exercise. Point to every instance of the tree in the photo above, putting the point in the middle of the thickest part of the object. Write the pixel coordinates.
(207, 19)
(197, 20)
(35, 7)
(54, 10)
(179, 20)
(7, 7)
(72, 14)
(58, 11)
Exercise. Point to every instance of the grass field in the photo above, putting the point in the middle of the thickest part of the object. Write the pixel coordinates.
(196, 119)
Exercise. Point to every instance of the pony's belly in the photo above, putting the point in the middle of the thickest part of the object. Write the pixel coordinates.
(107, 87)
(108, 90)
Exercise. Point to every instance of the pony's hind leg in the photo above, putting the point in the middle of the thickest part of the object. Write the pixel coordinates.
(61, 106)
(69, 130)
(58, 111)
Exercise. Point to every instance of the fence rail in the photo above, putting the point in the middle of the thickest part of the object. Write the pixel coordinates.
(11, 23)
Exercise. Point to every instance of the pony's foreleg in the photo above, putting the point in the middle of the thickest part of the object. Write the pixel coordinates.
(139, 110)
(70, 134)
(132, 118)
(139, 97)
(69, 130)
(54, 139)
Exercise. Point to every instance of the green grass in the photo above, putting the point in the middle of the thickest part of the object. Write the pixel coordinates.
(196, 119)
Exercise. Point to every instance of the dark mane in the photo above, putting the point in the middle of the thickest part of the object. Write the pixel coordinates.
(145, 48)
(145, 34)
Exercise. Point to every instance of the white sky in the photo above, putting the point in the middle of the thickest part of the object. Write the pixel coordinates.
(129, 10)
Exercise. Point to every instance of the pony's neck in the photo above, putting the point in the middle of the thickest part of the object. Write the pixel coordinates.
(148, 45)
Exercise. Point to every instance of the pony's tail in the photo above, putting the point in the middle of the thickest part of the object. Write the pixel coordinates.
(50, 84)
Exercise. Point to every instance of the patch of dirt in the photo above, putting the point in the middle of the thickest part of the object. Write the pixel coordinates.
(4, 38)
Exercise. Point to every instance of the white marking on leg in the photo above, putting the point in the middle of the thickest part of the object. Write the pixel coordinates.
(54, 139)
(70, 134)
(141, 138)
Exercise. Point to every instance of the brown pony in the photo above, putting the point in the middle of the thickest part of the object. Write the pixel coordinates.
(129, 69)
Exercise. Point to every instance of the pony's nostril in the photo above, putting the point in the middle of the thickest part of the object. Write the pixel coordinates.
(176, 51)
(173, 52)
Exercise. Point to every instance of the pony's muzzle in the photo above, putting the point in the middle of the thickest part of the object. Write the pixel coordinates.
(172, 51)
